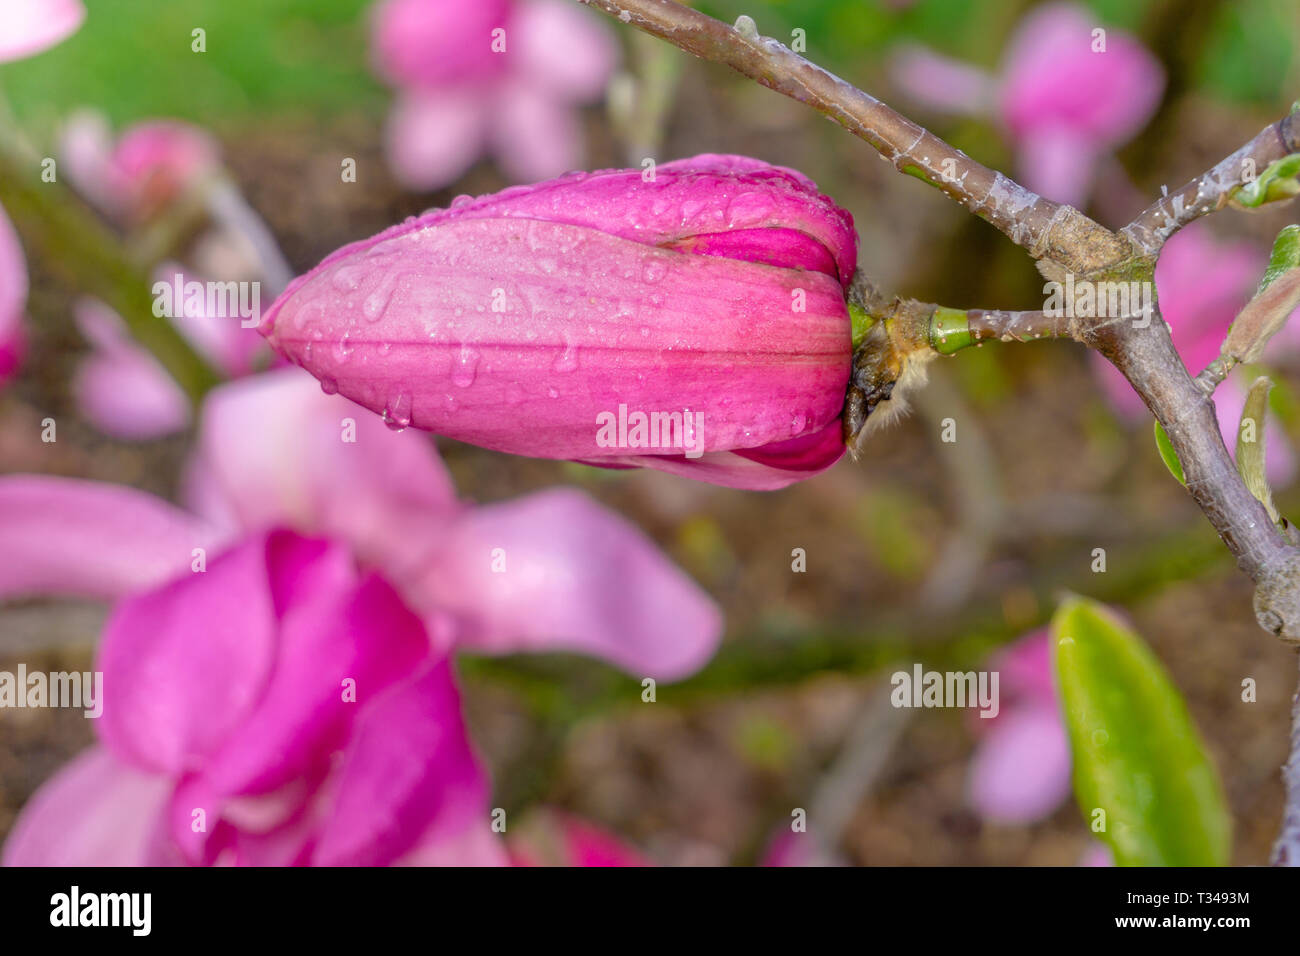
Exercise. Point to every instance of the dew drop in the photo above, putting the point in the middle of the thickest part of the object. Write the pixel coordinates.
(397, 413)
(465, 367)
(346, 278)
(375, 304)
(328, 385)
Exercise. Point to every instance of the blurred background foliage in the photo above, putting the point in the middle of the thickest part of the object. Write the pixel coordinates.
(706, 775)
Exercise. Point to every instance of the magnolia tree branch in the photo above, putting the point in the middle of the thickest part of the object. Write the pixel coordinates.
(1212, 189)
(1141, 349)
(1286, 851)
(1046, 229)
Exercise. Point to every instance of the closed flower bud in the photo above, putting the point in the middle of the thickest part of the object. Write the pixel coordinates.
(690, 318)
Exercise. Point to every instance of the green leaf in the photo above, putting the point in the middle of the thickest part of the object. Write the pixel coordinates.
(1168, 455)
(1277, 181)
(1137, 755)
(1285, 256)
(1250, 445)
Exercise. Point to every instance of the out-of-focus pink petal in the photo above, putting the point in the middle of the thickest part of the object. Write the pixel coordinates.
(562, 48)
(941, 82)
(96, 811)
(408, 768)
(553, 838)
(458, 839)
(188, 662)
(555, 571)
(156, 161)
(86, 150)
(788, 848)
(29, 26)
(435, 135)
(320, 465)
(1201, 284)
(1052, 77)
(1025, 668)
(1279, 457)
(1058, 162)
(121, 388)
(437, 43)
(60, 536)
(13, 298)
(222, 339)
(1020, 772)
(1097, 854)
(534, 132)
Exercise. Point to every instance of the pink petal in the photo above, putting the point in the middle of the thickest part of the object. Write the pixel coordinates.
(535, 133)
(559, 47)
(553, 838)
(96, 811)
(221, 339)
(185, 664)
(1057, 162)
(13, 298)
(60, 536)
(339, 632)
(592, 323)
(1020, 772)
(1052, 77)
(433, 136)
(302, 473)
(121, 388)
(30, 26)
(940, 82)
(408, 768)
(577, 578)
(437, 43)
(86, 148)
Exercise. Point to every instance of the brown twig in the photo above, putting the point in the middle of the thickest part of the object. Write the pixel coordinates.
(1045, 228)
(1210, 190)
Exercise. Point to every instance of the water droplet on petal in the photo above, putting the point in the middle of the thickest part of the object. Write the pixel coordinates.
(375, 304)
(397, 413)
(465, 367)
(328, 385)
(346, 278)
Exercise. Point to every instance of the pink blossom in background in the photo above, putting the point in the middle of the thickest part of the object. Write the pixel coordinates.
(457, 99)
(13, 299)
(1020, 772)
(327, 559)
(524, 320)
(28, 27)
(146, 168)
(120, 387)
(1201, 285)
(1063, 105)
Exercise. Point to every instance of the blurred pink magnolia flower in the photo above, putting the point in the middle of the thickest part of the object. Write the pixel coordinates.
(552, 838)
(120, 387)
(27, 27)
(500, 76)
(224, 689)
(543, 320)
(13, 299)
(149, 166)
(1064, 101)
(1020, 772)
(1201, 284)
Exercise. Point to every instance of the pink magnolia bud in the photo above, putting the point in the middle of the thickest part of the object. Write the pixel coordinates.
(690, 318)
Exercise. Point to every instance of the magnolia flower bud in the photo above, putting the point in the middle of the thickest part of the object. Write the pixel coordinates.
(690, 318)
